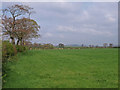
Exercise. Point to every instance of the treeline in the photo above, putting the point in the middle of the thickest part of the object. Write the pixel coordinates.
(62, 46)
(41, 46)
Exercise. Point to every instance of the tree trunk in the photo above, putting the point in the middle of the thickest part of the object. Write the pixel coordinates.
(18, 41)
(13, 25)
(13, 41)
(21, 41)
(15, 50)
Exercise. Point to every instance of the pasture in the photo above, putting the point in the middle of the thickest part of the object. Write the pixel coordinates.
(73, 68)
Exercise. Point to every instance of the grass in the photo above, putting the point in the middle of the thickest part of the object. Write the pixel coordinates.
(84, 68)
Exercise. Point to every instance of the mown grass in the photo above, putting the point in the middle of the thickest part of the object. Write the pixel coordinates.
(84, 68)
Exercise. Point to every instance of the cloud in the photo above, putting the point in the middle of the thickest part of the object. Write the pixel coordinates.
(110, 18)
(46, 35)
(66, 29)
(96, 32)
(86, 29)
(61, 36)
(86, 14)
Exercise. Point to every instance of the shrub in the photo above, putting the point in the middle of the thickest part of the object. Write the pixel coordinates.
(47, 46)
(61, 45)
(21, 48)
(7, 50)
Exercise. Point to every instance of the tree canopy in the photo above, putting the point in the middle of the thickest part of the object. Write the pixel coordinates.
(17, 23)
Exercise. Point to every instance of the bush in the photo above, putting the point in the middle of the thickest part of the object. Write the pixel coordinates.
(7, 50)
(47, 46)
(20, 48)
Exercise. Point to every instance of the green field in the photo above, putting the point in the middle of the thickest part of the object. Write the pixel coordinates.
(73, 68)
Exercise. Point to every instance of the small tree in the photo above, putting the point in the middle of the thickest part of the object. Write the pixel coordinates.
(110, 45)
(97, 46)
(90, 46)
(48, 46)
(82, 45)
(61, 45)
(105, 45)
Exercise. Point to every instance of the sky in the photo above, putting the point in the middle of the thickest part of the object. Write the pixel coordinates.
(75, 22)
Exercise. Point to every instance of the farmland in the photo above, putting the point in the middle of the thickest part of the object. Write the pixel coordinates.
(73, 68)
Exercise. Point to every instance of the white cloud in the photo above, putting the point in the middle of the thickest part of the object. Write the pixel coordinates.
(61, 36)
(110, 18)
(83, 16)
(86, 14)
(48, 35)
(86, 30)
(96, 32)
(66, 29)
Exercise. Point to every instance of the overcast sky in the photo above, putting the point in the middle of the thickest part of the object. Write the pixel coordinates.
(75, 22)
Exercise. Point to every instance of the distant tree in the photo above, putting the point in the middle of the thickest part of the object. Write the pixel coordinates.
(48, 46)
(36, 45)
(105, 45)
(27, 43)
(82, 45)
(90, 46)
(110, 45)
(61, 45)
(97, 46)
